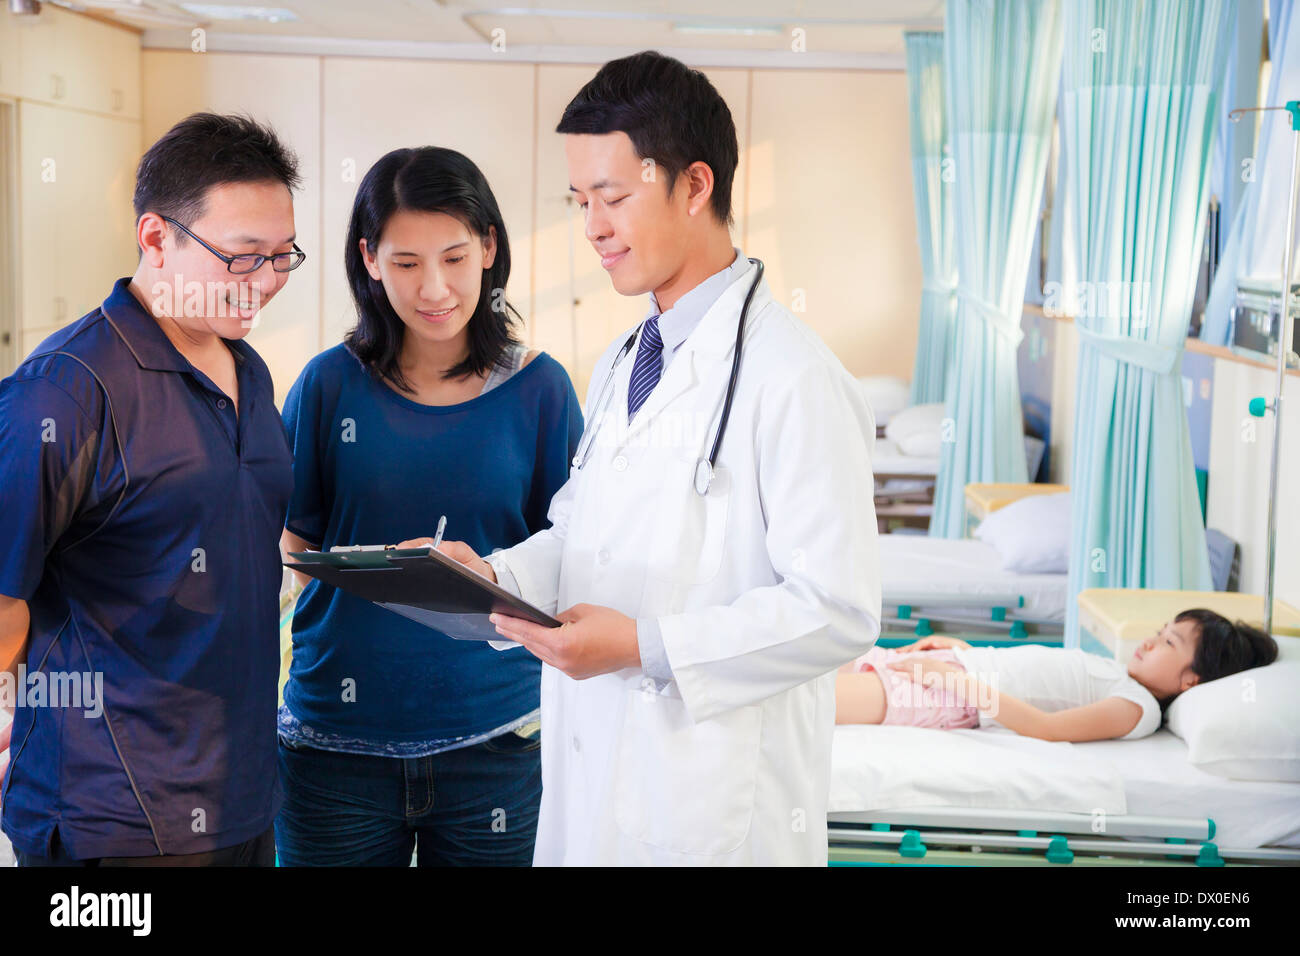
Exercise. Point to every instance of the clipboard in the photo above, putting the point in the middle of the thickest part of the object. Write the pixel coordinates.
(421, 584)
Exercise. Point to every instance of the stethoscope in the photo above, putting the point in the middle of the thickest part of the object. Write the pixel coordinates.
(704, 469)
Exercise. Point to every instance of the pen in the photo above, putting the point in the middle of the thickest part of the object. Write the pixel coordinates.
(437, 537)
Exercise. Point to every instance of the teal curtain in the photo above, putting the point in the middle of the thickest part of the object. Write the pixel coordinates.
(932, 190)
(1002, 63)
(1254, 248)
(1139, 112)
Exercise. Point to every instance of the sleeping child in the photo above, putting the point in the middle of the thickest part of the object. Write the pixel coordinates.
(1047, 692)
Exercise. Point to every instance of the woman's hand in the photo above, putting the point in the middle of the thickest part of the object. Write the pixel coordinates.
(457, 551)
(918, 668)
(932, 643)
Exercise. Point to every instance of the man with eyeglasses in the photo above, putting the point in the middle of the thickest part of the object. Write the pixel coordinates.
(144, 479)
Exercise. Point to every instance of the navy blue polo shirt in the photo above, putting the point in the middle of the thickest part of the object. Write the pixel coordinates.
(141, 520)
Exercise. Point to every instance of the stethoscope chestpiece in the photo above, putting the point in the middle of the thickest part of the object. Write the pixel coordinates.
(703, 477)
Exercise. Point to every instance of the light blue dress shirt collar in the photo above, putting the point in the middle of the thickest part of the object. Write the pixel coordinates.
(676, 325)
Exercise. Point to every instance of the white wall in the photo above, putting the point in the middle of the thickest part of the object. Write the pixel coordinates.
(1240, 449)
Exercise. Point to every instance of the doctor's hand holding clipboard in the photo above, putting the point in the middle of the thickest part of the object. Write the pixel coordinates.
(593, 640)
(712, 555)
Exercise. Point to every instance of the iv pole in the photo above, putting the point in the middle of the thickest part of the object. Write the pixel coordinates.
(1258, 406)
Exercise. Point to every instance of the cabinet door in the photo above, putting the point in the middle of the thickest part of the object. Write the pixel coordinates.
(10, 84)
(71, 60)
(102, 218)
(47, 58)
(76, 179)
(44, 174)
(119, 88)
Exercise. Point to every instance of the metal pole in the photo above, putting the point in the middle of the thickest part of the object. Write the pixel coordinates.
(1284, 326)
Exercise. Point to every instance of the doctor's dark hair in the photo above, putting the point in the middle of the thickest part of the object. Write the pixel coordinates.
(671, 113)
(426, 179)
(206, 150)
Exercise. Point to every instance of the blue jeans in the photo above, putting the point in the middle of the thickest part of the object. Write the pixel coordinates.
(476, 806)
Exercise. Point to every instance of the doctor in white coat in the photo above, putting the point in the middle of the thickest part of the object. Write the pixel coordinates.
(688, 701)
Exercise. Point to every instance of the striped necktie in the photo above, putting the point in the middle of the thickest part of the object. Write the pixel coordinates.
(647, 368)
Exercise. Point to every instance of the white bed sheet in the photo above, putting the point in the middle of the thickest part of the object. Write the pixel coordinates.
(888, 459)
(954, 567)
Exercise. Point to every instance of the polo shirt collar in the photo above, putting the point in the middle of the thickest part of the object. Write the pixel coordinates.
(144, 337)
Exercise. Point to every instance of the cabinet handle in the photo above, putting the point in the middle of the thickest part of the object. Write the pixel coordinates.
(117, 100)
(60, 308)
(58, 85)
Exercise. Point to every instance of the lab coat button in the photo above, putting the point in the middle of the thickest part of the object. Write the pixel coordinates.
(576, 748)
(620, 463)
(602, 556)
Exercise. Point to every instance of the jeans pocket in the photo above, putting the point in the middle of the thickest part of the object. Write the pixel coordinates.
(292, 745)
(513, 743)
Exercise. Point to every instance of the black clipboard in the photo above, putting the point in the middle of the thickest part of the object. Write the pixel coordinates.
(422, 584)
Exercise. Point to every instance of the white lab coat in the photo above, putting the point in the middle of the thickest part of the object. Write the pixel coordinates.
(761, 589)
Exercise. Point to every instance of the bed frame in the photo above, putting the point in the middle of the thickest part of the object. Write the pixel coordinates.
(956, 836)
(994, 620)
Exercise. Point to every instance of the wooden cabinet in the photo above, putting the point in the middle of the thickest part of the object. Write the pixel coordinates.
(9, 73)
(76, 176)
(70, 60)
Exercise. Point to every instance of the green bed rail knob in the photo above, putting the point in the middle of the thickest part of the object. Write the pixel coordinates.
(1293, 107)
(911, 844)
(1258, 406)
(1058, 850)
(1209, 856)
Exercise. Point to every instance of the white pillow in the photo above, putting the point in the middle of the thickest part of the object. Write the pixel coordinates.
(1245, 726)
(1032, 535)
(916, 430)
(886, 395)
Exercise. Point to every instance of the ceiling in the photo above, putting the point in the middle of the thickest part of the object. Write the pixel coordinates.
(863, 32)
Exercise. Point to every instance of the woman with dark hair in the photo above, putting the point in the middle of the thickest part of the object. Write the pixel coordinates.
(394, 737)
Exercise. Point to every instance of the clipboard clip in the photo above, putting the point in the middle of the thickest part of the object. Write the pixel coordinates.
(437, 539)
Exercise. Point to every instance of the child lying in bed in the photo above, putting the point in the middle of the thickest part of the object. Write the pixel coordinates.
(1047, 692)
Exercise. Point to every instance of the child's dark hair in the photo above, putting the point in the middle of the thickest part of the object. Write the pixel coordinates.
(426, 179)
(671, 113)
(206, 150)
(1224, 647)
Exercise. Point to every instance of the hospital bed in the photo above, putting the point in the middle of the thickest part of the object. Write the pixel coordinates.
(991, 797)
(1172, 813)
(959, 587)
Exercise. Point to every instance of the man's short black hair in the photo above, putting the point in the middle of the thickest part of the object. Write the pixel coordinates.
(205, 150)
(672, 114)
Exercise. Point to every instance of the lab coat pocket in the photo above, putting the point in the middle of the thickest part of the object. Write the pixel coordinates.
(690, 530)
(682, 786)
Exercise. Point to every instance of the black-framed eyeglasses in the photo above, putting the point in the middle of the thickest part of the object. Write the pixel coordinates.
(250, 262)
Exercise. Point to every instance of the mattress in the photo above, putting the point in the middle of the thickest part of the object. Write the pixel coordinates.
(944, 567)
(1158, 780)
(888, 459)
(1152, 773)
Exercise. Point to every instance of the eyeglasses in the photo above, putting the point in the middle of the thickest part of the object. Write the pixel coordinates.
(243, 265)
